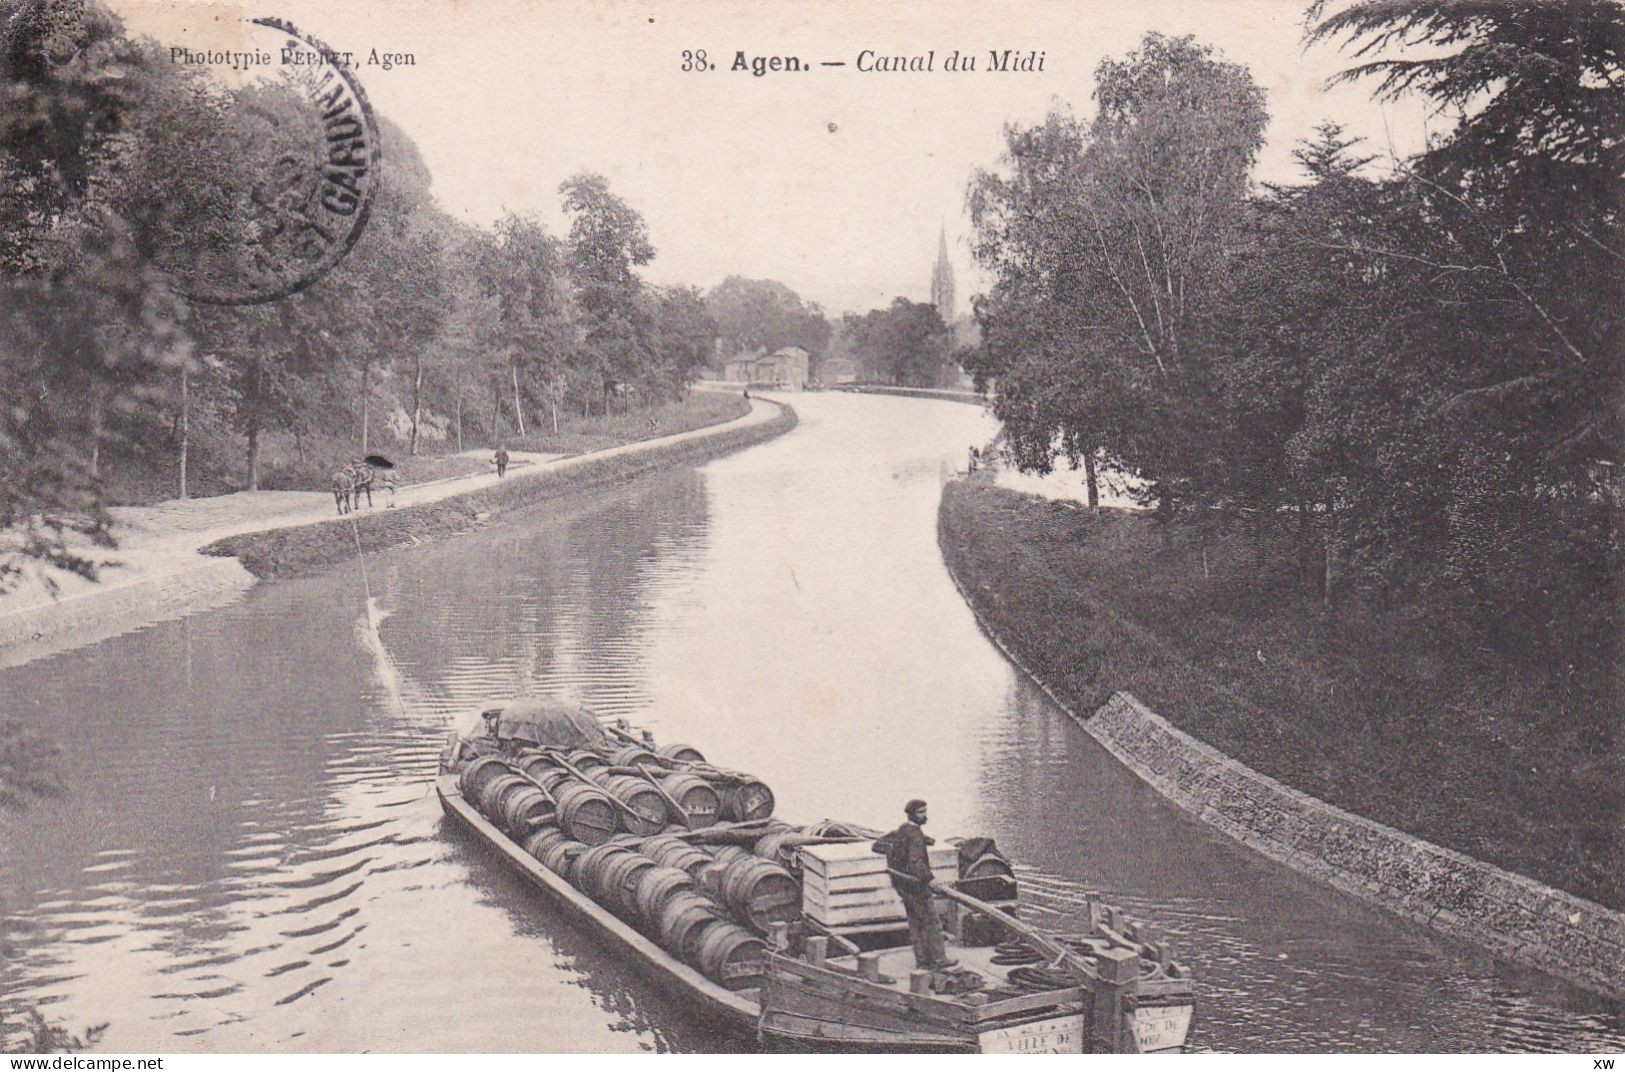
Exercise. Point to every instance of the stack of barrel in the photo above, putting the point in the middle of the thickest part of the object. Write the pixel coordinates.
(509, 800)
(629, 789)
(710, 910)
(523, 794)
(603, 820)
(681, 768)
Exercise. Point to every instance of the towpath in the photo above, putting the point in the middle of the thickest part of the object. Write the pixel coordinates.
(157, 571)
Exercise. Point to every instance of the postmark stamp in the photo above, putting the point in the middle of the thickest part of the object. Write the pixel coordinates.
(311, 156)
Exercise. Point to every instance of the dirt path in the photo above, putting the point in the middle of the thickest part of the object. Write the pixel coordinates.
(157, 572)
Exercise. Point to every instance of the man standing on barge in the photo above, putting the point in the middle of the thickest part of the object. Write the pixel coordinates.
(910, 867)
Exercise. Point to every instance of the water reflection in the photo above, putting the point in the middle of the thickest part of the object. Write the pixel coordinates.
(252, 857)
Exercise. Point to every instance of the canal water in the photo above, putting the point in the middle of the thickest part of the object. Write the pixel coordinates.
(250, 856)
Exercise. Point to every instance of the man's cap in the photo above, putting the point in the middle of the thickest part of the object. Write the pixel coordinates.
(913, 806)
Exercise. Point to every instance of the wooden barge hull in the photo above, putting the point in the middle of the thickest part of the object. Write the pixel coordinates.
(808, 1007)
(728, 1009)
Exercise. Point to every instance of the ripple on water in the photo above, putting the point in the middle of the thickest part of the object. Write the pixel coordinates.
(252, 843)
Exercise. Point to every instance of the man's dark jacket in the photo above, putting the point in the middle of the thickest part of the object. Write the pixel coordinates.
(905, 850)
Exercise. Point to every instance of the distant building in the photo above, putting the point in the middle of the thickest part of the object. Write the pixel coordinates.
(838, 370)
(942, 281)
(785, 368)
(741, 368)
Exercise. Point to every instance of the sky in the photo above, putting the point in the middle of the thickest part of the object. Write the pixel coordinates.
(831, 180)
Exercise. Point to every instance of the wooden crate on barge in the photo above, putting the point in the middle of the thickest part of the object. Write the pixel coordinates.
(847, 885)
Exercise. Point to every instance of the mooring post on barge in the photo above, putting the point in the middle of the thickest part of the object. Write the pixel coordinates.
(1114, 994)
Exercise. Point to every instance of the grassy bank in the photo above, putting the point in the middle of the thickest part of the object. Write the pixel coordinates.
(579, 435)
(287, 552)
(138, 471)
(1368, 710)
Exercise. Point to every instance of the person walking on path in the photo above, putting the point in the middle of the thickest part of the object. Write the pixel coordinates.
(910, 867)
(502, 461)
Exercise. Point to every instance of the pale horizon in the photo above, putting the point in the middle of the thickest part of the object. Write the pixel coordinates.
(739, 175)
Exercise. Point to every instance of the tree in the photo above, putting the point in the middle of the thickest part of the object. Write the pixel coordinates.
(608, 242)
(523, 274)
(467, 331)
(907, 343)
(1539, 85)
(1037, 337)
(1503, 244)
(1530, 180)
(761, 314)
(89, 318)
(267, 355)
(684, 334)
(1162, 191)
(1108, 249)
(387, 296)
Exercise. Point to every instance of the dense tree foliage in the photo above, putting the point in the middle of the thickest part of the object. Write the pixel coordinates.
(1108, 247)
(122, 178)
(905, 344)
(763, 315)
(1420, 368)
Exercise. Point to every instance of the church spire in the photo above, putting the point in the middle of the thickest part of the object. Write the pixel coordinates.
(942, 280)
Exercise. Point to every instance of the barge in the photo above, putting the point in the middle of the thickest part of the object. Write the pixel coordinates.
(791, 935)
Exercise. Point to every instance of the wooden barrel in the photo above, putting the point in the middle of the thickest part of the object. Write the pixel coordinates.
(732, 956)
(652, 845)
(560, 858)
(701, 804)
(525, 811)
(773, 847)
(551, 778)
(543, 839)
(683, 923)
(585, 813)
(727, 854)
(708, 881)
(502, 796)
(490, 801)
(683, 856)
(648, 812)
(747, 800)
(658, 885)
(582, 760)
(536, 765)
(620, 883)
(477, 775)
(990, 865)
(632, 755)
(681, 753)
(590, 866)
(760, 894)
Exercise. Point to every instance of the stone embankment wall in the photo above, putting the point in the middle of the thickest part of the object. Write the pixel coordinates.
(945, 394)
(290, 551)
(1521, 919)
